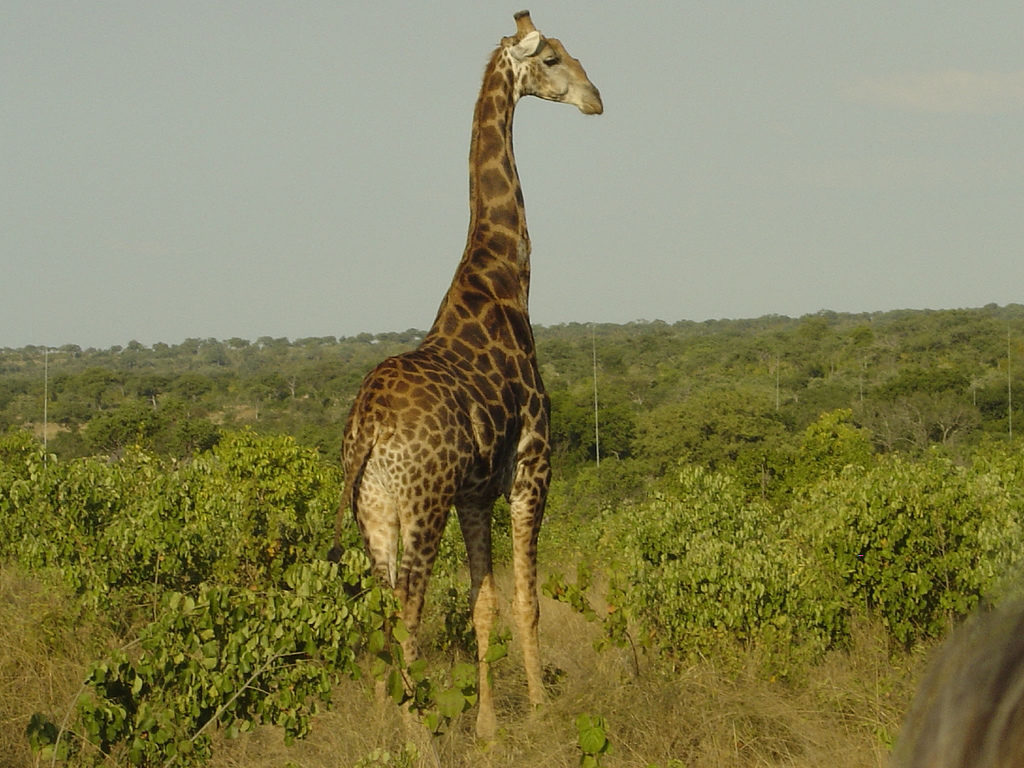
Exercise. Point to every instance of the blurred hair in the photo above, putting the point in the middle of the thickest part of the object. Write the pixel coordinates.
(969, 710)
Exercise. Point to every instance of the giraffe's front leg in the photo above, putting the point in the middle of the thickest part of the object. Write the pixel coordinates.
(529, 494)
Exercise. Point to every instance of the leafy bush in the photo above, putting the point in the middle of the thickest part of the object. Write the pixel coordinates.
(702, 564)
(214, 568)
(231, 658)
(250, 626)
(241, 514)
(592, 738)
(830, 444)
(918, 542)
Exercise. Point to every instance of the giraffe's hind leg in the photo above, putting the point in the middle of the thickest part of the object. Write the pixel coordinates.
(378, 520)
(376, 514)
(475, 522)
(423, 523)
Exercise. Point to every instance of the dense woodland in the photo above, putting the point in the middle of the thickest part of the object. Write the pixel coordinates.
(773, 522)
(728, 391)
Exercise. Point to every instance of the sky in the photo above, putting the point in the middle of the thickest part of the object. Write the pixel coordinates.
(185, 169)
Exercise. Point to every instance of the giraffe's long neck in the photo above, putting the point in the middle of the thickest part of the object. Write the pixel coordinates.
(495, 195)
(495, 266)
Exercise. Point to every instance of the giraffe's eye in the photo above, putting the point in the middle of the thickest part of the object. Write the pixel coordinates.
(550, 61)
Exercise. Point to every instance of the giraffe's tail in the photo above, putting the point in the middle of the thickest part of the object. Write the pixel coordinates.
(359, 442)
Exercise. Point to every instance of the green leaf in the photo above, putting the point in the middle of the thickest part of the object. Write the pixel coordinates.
(450, 702)
(593, 740)
(399, 631)
(464, 675)
(433, 721)
(395, 686)
(495, 652)
(418, 670)
(375, 642)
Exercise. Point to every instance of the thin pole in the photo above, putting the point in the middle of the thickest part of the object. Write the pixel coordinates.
(777, 382)
(46, 397)
(597, 430)
(1009, 385)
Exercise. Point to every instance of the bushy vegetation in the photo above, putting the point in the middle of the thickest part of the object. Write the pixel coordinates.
(765, 488)
(700, 566)
(209, 568)
(240, 514)
(213, 572)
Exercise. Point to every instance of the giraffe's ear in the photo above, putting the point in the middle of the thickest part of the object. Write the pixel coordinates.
(528, 46)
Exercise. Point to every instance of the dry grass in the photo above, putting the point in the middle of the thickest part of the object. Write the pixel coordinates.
(45, 647)
(845, 713)
(236, 414)
(49, 431)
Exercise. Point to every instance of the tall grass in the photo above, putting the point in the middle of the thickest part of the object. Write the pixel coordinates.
(46, 644)
(846, 711)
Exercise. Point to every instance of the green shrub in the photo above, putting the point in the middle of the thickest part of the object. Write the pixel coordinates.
(214, 570)
(918, 542)
(241, 514)
(230, 658)
(702, 564)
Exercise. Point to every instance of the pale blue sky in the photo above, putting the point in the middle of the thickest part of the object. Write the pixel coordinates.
(197, 169)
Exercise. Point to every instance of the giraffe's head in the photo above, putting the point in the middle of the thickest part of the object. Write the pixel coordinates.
(545, 69)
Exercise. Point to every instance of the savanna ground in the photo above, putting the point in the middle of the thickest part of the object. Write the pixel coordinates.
(845, 710)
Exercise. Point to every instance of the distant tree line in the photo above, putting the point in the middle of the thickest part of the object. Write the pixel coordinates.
(724, 393)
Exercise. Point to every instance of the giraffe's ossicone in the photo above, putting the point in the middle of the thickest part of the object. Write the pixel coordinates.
(464, 419)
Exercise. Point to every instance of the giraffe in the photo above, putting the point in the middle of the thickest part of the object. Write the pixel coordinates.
(463, 418)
